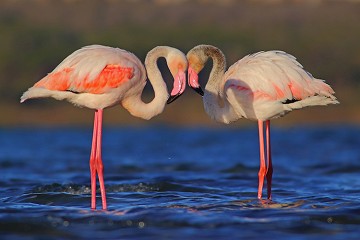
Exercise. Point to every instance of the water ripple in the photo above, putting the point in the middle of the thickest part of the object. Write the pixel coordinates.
(200, 185)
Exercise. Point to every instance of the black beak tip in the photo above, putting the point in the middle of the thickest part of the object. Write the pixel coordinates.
(199, 91)
(173, 98)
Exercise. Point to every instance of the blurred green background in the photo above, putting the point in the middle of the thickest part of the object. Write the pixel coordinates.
(36, 35)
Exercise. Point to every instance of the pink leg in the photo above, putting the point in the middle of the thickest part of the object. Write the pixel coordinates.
(93, 163)
(99, 163)
(269, 171)
(262, 159)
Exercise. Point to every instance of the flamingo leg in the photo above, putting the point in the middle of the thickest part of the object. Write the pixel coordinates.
(269, 171)
(96, 165)
(262, 170)
(99, 163)
(93, 163)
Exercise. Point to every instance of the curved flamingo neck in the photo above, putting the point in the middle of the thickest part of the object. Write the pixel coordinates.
(135, 105)
(218, 69)
(215, 102)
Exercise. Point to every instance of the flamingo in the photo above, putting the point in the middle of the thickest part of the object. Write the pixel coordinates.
(259, 87)
(98, 77)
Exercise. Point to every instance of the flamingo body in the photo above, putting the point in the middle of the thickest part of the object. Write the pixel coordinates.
(267, 85)
(94, 76)
(98, 77)
(260, 87)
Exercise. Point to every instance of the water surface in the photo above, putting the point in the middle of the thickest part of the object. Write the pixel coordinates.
(180, 183)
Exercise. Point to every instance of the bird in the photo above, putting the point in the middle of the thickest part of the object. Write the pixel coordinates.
(260, 87)
(98, 77)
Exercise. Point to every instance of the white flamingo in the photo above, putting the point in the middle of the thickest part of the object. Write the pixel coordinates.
(98, 77)
(260, 87)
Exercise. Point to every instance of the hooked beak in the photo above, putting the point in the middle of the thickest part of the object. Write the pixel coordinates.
(172, 98)
(193, 81)
(199, 90)
(179, 86)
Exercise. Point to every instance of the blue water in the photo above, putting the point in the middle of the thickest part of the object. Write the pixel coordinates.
(180, 183)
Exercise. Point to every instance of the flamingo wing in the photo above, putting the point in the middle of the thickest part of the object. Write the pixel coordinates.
(92, 69)
(267, 80)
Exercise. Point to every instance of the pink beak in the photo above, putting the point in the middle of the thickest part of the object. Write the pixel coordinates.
(179, 86)
(193, 81)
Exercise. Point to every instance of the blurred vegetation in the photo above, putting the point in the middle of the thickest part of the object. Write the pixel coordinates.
(36, 35)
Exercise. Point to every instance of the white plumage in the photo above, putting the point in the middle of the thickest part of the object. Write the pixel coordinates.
(86, 65)
(267, 85)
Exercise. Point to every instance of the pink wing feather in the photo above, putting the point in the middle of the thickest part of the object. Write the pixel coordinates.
(274, 75)
(92, 69)
(112, 76)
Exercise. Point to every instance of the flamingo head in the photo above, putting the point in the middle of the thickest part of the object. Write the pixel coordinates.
(196, 64)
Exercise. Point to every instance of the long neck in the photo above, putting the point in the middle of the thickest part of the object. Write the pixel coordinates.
(215, 102)
(135, 105)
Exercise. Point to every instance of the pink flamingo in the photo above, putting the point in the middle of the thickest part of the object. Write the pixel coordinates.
(260, 87)
(98, 77)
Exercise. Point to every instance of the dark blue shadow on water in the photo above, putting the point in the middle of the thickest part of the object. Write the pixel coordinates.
(176, 183)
